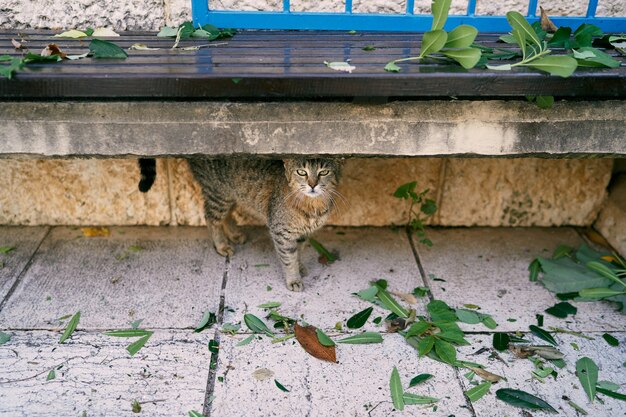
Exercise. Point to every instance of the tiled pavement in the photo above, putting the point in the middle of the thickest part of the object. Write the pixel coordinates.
(169, 276)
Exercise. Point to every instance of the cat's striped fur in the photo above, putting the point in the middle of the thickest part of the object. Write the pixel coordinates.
(294, 197)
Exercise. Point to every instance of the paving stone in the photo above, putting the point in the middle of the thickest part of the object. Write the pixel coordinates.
(24, 240)
(97, 376)
(169, 283)
(366, 255)
(489, 268)
(356, 386)
(518, 374)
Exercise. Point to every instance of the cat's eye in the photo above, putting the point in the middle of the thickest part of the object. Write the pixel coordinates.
(301, 172)
(323, 172)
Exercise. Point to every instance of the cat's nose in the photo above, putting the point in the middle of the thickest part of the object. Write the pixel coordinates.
(312, 183)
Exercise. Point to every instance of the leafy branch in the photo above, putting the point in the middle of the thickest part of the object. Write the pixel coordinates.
(455, 45)
(427, 208)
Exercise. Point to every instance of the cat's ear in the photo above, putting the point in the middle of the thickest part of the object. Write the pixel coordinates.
(289, 164)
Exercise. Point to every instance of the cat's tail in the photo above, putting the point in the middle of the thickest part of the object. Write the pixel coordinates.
(147, 168)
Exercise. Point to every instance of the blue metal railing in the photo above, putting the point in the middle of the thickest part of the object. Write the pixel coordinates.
(406, 22)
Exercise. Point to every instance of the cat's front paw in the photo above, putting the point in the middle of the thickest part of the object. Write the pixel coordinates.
(224, 249)
(295, 285)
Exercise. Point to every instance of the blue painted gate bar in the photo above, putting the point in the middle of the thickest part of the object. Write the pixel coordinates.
(405, 22)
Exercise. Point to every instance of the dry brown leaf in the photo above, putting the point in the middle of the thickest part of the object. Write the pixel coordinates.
(308, 339)
(546, 23)
(53, 49)
(486, 375)
(519, 351)
(409, 298)
(396, 325)
(16, 44)
(95, 231)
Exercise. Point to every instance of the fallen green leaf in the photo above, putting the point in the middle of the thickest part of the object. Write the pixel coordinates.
(4, 338)
(612, 394)
(134, 347)
(71, 326)
(395, 386)
(135, 406)
(362, 338)
(414, 399)
(560, 65)
(256, 325)
(280, 386)
(433, 41)
(390, 303)
(106, 49)
(468, 316)
(476, 393)
(461, 36)
(322, 251)
(542, 334)
(466, 57)
(246, 341)
(587, 372)
(610, 339)
(270, 304)
(6, 249)
(445, 351)
(51, 375)
(323, 338)
(128, 333)
(501, 341)
(523, 399)
(208, 319)
(194, 413)
(419, 379)
(425, 345)
(561, 310)
(440, 9)
(72, 34)
(359, 319)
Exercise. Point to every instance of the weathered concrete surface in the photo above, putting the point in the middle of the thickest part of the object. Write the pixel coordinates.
(80, 192)
(356, 386)
(366, 255)
(432, 128)
(488, 192)
(611, 222)
(97, 376)
(168, 281)
(489, 268)
(555, 392)
(24, 241)
(523, 192)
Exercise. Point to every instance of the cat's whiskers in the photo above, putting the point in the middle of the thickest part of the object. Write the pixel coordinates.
(339, 199)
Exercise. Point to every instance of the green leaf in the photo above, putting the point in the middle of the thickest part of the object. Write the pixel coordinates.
(138, 344)
(404, 191)
(246, 341)
(561, 310)
(419, 379)
(322, 251)
(418, 328)
(395, 385)
(71, 326)
(560, 39)
(564, 275)
(520, 24)
(7, 71)
(612, 394)
(30, 57)
(611, 386)
(523, 399)
(256, 325)
(231, 328)
(414, 399)
(534, 268)
(467, 57)
(270, 304)
(461, 36)
(440, 311)
(425, 345)
(390, 303)
(605, 271)
(452, 336)
(359, 319)
(281, 386)
(598, 293)
(610, 339)
(368, 294)
(489, 322)
(587, 372)
(510, 39)
(501, 341)
(194, 413)
(560, 65)
(429, 207)
(51, 375)
(362, 338)
(468, 316)
(584, 34)
(208, 320)
(4, 338)
(478, 391)
(323, 338)
(445, 351)
(128, 333)
(106, 49)
(6, 249)
(542, 334)
(503, 67)
(214, 346)
(392, 67)
(440, 9)
(433, 41)
(368, 48)
(204, 34)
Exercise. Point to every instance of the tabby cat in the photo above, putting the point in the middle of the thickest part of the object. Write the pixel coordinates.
(294, 197)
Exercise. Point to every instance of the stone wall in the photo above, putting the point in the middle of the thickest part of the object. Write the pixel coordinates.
(468, 191)
(153, 14)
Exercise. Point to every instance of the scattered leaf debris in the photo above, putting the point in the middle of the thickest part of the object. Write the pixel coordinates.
(71, 326)
(307, 336)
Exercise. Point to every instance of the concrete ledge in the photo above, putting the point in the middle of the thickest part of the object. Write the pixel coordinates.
(429, 128)
(611, 222)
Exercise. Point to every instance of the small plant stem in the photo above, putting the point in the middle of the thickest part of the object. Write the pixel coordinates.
(282, 339)
(526, 61)
(411, 58)
(573, 333)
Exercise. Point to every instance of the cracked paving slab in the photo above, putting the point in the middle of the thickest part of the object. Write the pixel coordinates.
(556, 392)
(96, 375)
(166, 276)
(356, 386)
(489, 267)
(24, 241)
(365, 255)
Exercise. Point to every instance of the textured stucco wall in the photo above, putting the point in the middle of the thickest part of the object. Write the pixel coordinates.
(469, 191)
(153, 14)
